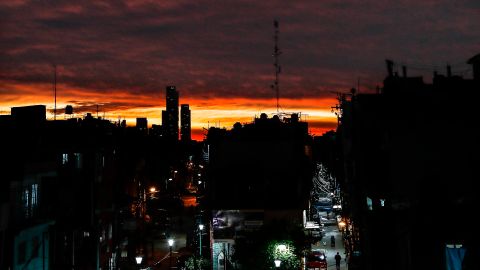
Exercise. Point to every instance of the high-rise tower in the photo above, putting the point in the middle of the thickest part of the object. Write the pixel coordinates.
(185, 125)
(171, 121)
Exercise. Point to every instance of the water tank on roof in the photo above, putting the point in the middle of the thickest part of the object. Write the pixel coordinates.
(69, 109)
(294, 118)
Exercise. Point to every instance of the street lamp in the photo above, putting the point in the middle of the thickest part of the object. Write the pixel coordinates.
(282, 247)
(200, 226)
(139, 259)
(170, 244)
(281, 251)
(152, 192)
(342, 225)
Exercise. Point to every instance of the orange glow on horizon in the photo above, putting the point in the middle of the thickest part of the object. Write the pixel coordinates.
(115, 105)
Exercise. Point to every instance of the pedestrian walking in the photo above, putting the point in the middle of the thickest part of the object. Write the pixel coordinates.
(338, 259)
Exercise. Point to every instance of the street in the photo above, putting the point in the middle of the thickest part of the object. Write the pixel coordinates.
(330, 252)
(161, 257)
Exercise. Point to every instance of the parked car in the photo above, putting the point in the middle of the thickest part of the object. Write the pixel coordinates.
(317, 234)
(317, 260)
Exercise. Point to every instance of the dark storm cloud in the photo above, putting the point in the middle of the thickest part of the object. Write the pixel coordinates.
(81, 107)
(224, 49)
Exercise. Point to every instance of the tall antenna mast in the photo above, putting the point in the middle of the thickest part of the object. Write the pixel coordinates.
(55, 91)
(276, 54)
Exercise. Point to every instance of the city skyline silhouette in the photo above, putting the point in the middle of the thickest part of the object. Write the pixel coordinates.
(215, 135)
(120, 55)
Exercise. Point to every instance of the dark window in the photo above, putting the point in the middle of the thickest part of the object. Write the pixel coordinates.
(35, 247)
(22, 252)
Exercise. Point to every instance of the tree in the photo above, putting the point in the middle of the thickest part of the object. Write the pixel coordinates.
(197, 263)
(258, 249)
(288, 255)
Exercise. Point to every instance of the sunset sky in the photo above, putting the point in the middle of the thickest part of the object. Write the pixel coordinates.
(122, 54)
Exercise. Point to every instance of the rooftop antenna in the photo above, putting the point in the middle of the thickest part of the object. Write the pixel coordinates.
(276, 54)
(55, 91)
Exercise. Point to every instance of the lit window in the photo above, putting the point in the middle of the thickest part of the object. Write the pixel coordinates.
(382, 202)
(78, 160)
(34, 195)
(30, 199)
(26, 202)
(369, 203)
(64, 159)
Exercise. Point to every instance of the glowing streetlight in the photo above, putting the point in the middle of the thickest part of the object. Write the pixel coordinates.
(200, 226)
(153, 189)
(139, 259)
(342, 225)
(170, 244)
(282, 247)
(277, 263)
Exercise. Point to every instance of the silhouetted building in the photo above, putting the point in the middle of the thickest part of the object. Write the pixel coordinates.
(185, 129)
(73, 192)
(475, 62)
(142, 124)
(263, 165)
(32, 116)
(170, 122)
(164, 122)
(410, 169)
(156, 130)
(260, 173)
(53, 184)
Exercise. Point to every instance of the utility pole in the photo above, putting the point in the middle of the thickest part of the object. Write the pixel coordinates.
(276, 54)
(55, 91)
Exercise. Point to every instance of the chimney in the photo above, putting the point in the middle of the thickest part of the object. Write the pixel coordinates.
(475, 62)
(404, 71)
